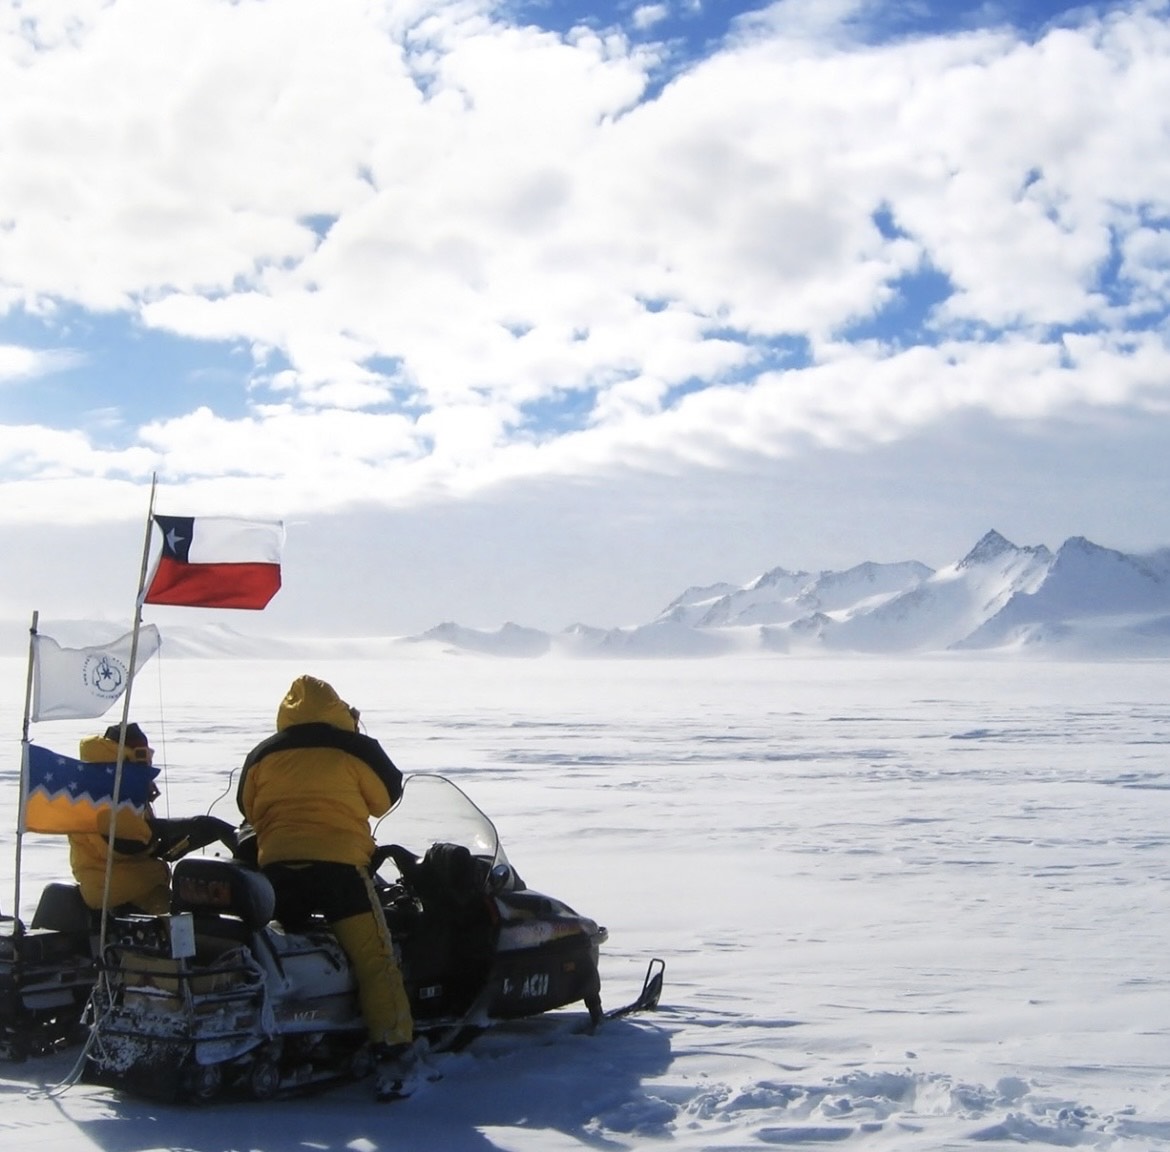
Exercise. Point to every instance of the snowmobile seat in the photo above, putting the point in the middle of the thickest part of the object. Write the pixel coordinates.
(208, 886)
(61, 909)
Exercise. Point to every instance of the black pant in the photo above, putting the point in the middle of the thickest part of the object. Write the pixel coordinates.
(303, 887)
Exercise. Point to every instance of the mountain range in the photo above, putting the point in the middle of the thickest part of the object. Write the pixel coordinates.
(1081, 600)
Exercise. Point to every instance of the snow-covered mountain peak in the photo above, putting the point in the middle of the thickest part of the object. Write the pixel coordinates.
(780, 578)
(700, 594)
(1077, 551)
(990, 547)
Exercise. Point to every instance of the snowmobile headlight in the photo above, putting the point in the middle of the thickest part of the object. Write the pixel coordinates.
(500, 878)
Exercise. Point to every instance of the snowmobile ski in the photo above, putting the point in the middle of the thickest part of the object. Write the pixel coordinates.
(646, 1000)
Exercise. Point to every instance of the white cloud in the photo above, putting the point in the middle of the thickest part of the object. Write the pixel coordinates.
(429, 224)
(19, 363)
(33, 452)
(647, 15)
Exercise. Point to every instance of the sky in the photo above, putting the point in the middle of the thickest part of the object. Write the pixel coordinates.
(904, 906)
(544, 312)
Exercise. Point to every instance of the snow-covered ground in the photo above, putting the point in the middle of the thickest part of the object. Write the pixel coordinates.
(903, 903)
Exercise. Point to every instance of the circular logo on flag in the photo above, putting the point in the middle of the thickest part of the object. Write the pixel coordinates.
(104, 675)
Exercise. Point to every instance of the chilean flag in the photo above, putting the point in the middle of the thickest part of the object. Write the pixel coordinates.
(216, 562)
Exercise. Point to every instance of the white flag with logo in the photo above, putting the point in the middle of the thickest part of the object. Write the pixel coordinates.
(79, 683)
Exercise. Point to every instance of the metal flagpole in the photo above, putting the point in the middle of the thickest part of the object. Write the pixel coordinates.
(126, 718)
(103, 976)
(17, 924)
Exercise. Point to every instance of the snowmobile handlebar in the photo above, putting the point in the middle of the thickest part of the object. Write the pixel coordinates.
(404, 860)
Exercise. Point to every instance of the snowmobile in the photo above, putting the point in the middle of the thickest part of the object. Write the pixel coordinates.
(218, 998)
(47, 970)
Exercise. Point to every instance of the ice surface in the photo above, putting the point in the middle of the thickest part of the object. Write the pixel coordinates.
(904, 904)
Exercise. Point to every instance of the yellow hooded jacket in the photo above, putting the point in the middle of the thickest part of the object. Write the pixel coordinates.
(310, 790)
(136, 877)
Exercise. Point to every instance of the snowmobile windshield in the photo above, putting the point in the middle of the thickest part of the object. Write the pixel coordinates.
(433, 810)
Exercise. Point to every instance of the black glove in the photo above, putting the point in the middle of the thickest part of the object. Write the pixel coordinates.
(175, 838)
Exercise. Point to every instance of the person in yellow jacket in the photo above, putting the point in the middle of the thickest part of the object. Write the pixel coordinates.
(138, 879)
(140, 876)
(309, 792)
